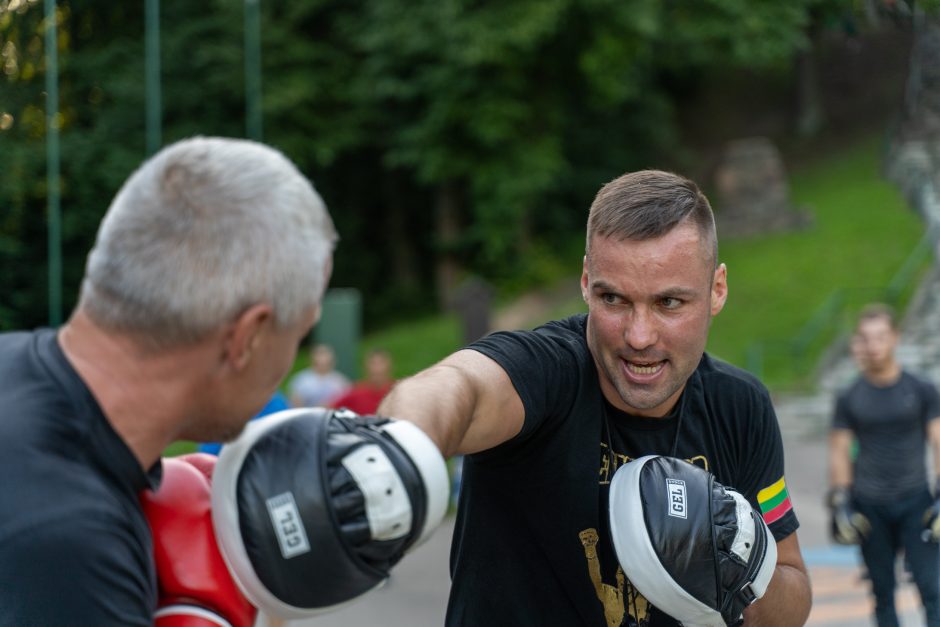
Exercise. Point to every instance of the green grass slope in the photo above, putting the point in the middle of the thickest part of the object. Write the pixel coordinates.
(781, 287)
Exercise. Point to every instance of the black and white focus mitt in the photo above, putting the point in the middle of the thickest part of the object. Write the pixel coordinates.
(695, 549)
(313, 507)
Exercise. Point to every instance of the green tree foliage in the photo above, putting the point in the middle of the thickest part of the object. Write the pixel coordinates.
(101, 123)
(446, 135)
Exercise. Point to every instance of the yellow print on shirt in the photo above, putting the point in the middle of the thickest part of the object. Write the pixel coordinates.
(611, 461)
(615, 599)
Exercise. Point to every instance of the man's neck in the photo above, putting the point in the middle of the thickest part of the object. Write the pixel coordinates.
(147, 396)
(885, 375)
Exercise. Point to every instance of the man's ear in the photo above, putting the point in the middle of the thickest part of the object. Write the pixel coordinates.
(245, 333)
(584, 279)
(719, 289)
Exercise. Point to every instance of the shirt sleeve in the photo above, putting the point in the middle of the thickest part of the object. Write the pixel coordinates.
(931, 401)
(544, 368)
(841, 416)
(762, 468)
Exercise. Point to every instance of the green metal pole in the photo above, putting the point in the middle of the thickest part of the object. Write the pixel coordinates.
(253, 69)
(152, 75)
(54, 232)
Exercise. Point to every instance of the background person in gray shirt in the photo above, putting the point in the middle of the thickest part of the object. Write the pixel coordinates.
(882, 500)
(318, 384)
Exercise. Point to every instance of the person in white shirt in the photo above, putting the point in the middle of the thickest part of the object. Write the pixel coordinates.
(316, 385)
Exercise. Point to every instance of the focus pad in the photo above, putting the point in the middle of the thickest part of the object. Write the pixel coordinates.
(695, 549)
(291, 518)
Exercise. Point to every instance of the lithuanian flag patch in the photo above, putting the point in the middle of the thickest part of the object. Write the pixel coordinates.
(774, 501)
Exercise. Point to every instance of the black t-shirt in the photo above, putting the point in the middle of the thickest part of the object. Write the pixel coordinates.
(531, 544)
(890, 424)
(75, 548)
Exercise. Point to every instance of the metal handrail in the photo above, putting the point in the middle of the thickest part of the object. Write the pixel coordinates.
(834, 308)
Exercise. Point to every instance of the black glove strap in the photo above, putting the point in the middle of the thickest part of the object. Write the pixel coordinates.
(741, 594)
(368, 428)
(839, 497)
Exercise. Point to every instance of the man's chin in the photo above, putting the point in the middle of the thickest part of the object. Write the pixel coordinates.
(232, 434)
(645, 403)
(221, 434)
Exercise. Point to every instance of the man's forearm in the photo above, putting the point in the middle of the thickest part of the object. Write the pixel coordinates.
(436, 400)
(465, 403)
(933, 434)
(840, 458)
(786, 603)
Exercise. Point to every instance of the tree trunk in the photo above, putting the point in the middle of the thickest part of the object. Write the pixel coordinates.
(922, 100)
(404, 268)
(809, 106)
(447, 233)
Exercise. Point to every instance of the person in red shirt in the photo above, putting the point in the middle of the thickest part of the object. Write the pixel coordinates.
(365, 395)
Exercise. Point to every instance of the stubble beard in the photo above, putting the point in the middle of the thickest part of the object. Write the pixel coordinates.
(641, 397)
(217, 431)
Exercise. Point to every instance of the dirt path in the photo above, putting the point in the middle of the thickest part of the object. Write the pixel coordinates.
(537, 306)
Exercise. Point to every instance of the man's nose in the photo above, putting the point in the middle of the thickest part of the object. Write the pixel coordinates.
(640, 331)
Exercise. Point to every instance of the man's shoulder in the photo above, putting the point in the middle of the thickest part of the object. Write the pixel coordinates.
(566, 333)
(337, 377)
(851, 387)
(570, 332)
(17, 346)
(35, 374)
(301, 376)
(13, 340)
(571, 326)
(918, 380)
(720, 376)
(356, 391)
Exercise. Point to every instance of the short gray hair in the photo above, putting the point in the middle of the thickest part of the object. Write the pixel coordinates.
(201, 231)
(648, 204)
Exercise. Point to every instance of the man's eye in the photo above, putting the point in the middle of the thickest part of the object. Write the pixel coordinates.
(670, 302)
(610, 299)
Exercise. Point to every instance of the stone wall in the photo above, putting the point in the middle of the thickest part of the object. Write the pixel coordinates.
(912, 160)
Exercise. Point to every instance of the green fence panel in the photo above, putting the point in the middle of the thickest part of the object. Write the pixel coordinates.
(340, 326)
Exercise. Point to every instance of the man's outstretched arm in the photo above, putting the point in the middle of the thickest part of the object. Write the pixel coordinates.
(466, 403)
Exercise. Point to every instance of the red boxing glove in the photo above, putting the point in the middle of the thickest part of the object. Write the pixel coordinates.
(196, 589)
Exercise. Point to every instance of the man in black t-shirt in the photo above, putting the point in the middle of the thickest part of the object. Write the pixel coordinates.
(545, 417)
(892, 415)
(190, 314)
